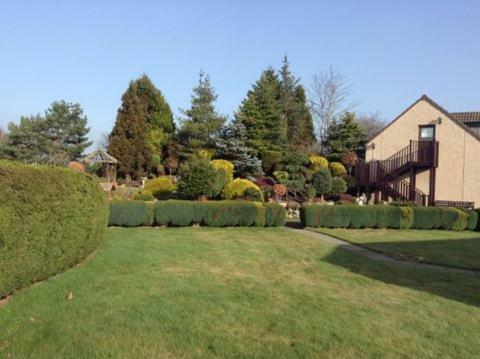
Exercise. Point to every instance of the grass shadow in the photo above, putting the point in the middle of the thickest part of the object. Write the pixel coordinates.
(459, 253)
(294, 223)
(455, 286)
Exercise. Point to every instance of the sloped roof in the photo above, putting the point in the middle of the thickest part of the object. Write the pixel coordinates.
(100, 156)
(466, 117)
(460, 123)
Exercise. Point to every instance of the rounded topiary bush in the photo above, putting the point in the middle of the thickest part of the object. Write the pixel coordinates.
(160, 187)
(238, 187)
(318, 162)
(198, 179)
(50, 219)
(338, 169)
(339, 186)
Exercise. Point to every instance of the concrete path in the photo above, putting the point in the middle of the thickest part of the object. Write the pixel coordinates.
(381, 257)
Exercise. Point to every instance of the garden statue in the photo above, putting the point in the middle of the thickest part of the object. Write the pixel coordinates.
(362, 200)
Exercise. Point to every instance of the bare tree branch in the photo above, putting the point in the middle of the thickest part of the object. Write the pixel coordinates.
(329, 99)
(102, 143)
(372, 123)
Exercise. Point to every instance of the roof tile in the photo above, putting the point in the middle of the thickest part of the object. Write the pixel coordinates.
(466, 117)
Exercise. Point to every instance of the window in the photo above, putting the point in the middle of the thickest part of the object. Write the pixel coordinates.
(427, 133)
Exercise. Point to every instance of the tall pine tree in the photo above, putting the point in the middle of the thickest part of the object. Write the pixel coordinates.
(275, 113)
(201, 123)
(296, 115)
(158, 116)
(129, 141)
(301, 132)
(261, 114)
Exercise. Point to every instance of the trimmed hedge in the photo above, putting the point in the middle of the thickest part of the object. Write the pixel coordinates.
(478, 219)
(275, 215)
(439, 218)
(211, 214)
(180, 213)
(131, 213)
(472, 222)
(51, 218)
(352, 216)
(381, 216)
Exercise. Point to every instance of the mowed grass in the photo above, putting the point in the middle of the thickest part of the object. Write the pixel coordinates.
(450, 248)
(240, 292)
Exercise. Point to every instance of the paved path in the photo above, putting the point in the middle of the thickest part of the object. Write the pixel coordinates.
(381, 257)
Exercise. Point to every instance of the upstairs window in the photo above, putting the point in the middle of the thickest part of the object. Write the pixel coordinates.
(427, 133)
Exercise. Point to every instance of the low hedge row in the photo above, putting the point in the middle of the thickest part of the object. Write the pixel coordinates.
(471, 222)
(275, 215)
(185, 213)
(381, 216)
(442, 218)
(127, 213)
(351, 216)
(50, 219)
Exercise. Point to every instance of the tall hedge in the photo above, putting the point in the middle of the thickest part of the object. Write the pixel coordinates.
(180, 213)
(381, 216)
(50, 219)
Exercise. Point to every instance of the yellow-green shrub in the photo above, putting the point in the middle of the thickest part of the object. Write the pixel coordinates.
(338, 169)
(225, 168)
(317, 162)
(237, 188)
(205, 154)
(50, 219)
(160, 187)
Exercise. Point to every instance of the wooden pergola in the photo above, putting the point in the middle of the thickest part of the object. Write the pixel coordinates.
(108, 163)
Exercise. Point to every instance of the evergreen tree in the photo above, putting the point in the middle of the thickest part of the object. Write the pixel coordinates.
(66, 131)
(128, 141)
(26, 140)
(58, 137)
(3, 144)
(301, 132)
(201, 124)
(288, 85)
(231, 146)
(344, 136)
(296, 114)
(322, 182)
(158, 116)
(261, 114)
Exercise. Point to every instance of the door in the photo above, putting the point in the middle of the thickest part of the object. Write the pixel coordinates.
(426, 141)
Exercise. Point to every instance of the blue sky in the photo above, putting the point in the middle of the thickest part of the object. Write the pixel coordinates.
(390, 51)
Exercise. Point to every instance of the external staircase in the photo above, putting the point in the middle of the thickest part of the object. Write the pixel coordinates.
(388, 178)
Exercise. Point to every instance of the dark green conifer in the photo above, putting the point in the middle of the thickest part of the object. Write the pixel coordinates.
(128, 141)
(261, 114)
(158, 116)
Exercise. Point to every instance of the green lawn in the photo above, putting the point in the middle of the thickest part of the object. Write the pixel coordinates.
(456, 249)
(242, 292)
